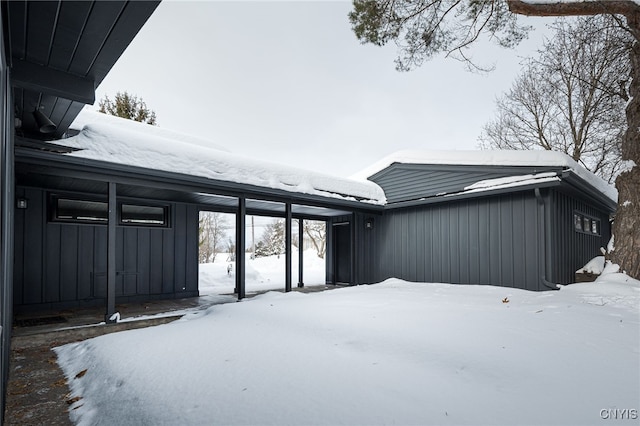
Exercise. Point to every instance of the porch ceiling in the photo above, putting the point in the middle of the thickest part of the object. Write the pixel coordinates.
(60, 51)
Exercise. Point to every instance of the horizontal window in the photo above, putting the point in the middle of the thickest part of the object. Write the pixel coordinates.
(586, 224)
(143, 215)
(67, 209)
(78, 210)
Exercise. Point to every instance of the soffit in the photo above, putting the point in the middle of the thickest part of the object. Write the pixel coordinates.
(60, 51)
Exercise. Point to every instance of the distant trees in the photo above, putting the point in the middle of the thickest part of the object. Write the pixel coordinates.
(316, 231)
(128, 106)
(571, 97)
(212, 229)
(272, 241)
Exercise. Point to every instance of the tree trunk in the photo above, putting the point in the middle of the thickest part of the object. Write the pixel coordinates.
(626, 227)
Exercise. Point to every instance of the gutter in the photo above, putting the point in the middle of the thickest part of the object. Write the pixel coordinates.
(544, 233)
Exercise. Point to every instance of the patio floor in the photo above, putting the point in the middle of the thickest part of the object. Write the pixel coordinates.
(37, 392)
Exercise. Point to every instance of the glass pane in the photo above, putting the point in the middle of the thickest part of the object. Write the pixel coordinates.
(594, 226)
(81, 210)
(149, 215)
(587, 224)
(577, 220)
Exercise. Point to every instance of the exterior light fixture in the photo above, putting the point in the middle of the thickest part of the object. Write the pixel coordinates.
(21, 203)
(45, 125)
(368, 223)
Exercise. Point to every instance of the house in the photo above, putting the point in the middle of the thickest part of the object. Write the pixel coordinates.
(510, 218)
(109, 211)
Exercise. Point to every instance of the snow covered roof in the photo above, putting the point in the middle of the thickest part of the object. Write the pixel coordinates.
(115, 140)
(538, 158)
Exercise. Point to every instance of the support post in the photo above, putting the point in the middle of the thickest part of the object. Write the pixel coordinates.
(241, 223)
(287, 247)
(300, 253)
(352, 265)
(111, 256)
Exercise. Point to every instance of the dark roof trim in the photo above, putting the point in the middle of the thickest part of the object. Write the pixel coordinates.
(507, 170)
(469, 195)
(59, 165)
(586, 190)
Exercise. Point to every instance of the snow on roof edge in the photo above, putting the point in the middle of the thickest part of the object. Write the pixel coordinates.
(532, 158)
(124, 142)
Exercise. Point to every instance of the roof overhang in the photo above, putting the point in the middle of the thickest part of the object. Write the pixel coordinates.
(64, 173)
(59, 51)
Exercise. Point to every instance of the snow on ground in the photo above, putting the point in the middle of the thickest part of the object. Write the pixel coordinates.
(262, 273)
(391, 353)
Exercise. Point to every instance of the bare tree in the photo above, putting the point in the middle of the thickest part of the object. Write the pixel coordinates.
(569, 98)
(316, 231)
(212, 231)
(422, 28)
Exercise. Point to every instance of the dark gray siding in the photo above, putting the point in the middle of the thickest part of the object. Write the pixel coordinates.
(60, 264)
(404, 182)
(490, 240)
(6, 216)
(569, 249)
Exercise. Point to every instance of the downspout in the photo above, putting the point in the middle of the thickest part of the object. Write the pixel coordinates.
(544, 234)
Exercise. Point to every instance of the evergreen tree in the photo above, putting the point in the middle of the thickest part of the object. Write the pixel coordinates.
(128, 106)
(272, 241)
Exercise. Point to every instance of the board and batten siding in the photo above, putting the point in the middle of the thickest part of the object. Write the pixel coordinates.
(571, 249)
(65, 264)
(489, 240)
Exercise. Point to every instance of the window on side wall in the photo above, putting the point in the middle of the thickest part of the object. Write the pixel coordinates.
(586, 224)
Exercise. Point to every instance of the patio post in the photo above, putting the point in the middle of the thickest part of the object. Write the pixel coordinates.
(241, 220)
(287, 247)
(300, 252)
(111, 255)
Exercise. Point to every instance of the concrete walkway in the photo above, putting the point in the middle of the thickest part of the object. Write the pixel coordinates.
(37, 392)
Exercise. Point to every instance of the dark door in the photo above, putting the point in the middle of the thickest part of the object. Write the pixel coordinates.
(342, 253)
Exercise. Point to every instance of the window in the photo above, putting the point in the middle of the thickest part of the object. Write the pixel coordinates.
(89, 210)
(586, 224)
(74, 210)
(133, 214)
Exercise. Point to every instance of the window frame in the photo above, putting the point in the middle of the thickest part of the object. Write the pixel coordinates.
(54, 209)
(166, 214)
(582, 219)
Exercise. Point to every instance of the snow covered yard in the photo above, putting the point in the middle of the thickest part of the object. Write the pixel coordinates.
(391, 353)
(262, 273)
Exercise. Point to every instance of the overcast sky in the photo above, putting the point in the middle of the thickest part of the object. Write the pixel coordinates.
(288, 82)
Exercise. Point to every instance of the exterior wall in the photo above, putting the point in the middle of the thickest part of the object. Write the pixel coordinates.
(569, 249)
(489, 240)
(6, 218)
(65, 264)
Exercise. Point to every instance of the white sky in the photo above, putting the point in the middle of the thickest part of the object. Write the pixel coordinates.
(289, 82)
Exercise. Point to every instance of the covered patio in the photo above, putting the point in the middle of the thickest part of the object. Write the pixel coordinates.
(77, 245)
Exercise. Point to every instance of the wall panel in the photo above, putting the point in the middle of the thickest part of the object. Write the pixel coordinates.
(492, 240)
(65, 264)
